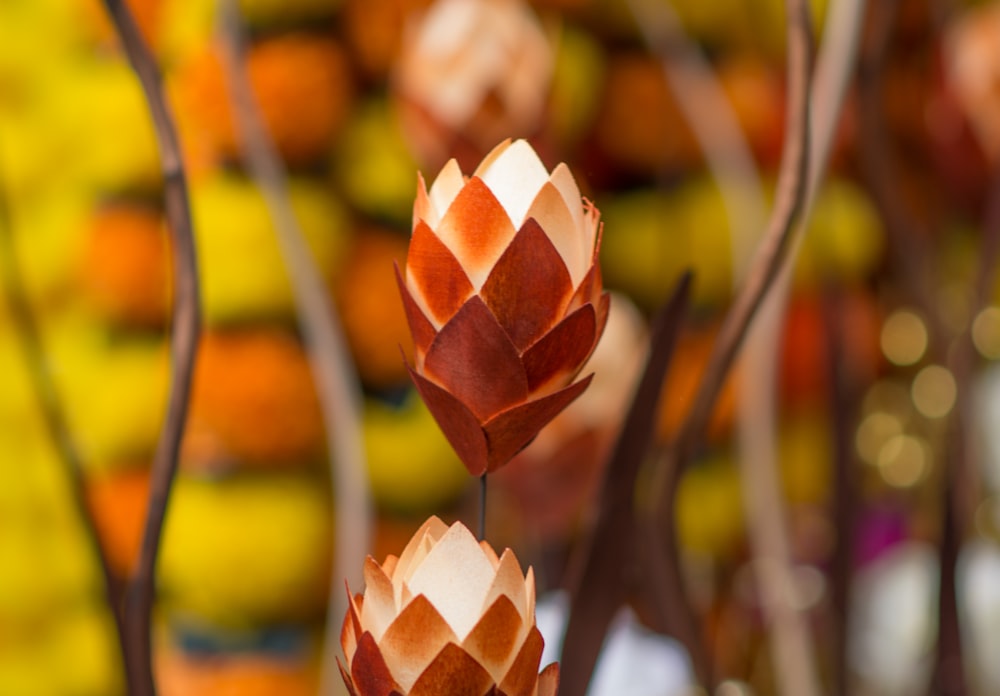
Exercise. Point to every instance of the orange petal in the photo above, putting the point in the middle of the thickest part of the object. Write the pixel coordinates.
(459, 426)
(476, 230)
(550, 210)
(548, 680)
(558, 355)
(421, 328)
(514, 176)
(509, 582)
(351, 629)
(453, 672)
(473, 358)
(507, 433)
(528, 287)
(347, 679)
(413, 639)
(523, 674)
(369, 671)
(434, 274)
(589, 289)
(494, 639)
(445, 189)
(379, 608)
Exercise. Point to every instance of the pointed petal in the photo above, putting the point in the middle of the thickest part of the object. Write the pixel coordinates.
(379, 608)
(515, 177)
(529, 592)
(523, 674)
(473, 358)
(456, 577)
(507, 433)
(548, 680)
(490, 553)
(348, 637)
(421, 328)
(490, 158)
(529, 287)
(422, 207)
(439, 285)
(459, 426)
(564, 182)
(476, 230)
(557, 357)
(347, 679)
(494, 640)
(419, 544)
(369, 672)
(509, 582)
(550, 211)
(413, 639)
(443, 191)
(453, 672)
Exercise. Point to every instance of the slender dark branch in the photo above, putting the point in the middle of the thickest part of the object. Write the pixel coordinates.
(605, 565)
(185, 326)
(660, 532)
(329, 359)
(51, 409)
(482, 507)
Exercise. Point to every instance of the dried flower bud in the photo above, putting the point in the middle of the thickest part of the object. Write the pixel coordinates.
(504, 300)
(472, 72)
(445, 617)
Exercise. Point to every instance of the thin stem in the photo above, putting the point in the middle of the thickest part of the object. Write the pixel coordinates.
(336, 380)
(40, 374)
(482, 507)
(186, 326)
(772, 253)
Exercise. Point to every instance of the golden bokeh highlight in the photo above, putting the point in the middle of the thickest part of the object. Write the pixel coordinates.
(934, 391)
(904, 337)
(904, 460)
(875, 430)
(986, 332)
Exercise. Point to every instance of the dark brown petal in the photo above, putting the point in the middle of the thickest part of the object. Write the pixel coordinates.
(453, 672)
(523, 674)
(369, 671)
(494, 639)
(589, 289)
(473, 358)
(507, 433)
(529, 286)
(476, 229)
(347, 679)
(434, 272)
(558, 355)
(548, 680)
(457, 423)
(414, 638)
(421, 328)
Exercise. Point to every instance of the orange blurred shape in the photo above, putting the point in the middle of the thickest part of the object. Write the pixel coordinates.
(124, 268)
(805, 344)
(301, 84)
(641, 125)
(237, 674)
(683, 380)
(253, 403)
(118, 502)
(374, 30)
(370, 309)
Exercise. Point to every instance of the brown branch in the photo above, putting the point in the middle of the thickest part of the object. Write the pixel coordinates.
(50, 406)
(662, 554)
(605, 567)
(336, 381)
(186, 326)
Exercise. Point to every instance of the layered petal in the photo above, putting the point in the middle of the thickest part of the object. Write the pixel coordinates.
(473, 358)
(529, 287)
(434, 275)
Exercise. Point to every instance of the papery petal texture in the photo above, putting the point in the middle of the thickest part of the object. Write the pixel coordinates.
(447, 616)
(504, 299)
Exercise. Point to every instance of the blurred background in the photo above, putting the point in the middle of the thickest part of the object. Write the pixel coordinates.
(360, 95)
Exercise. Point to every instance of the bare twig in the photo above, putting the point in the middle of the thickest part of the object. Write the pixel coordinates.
(663, 553)
(52, 411)
(186, 326)
(605, 568)
(337, 385)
